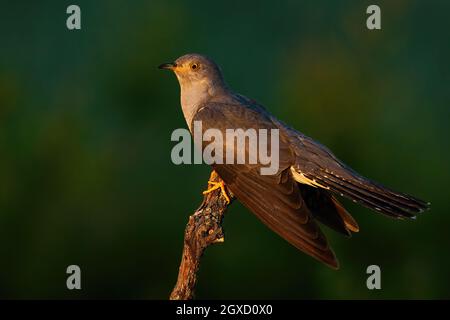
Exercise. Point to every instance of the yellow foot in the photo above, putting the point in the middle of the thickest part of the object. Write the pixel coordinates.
(216, 185)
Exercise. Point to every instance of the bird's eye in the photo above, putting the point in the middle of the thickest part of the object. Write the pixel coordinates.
(194, 66)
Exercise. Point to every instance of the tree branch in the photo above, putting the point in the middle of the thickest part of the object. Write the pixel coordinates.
(203, 229)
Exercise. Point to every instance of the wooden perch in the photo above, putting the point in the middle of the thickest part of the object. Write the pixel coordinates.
(203, 229)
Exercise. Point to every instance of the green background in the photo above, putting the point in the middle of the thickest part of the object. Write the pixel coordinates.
(86, 117)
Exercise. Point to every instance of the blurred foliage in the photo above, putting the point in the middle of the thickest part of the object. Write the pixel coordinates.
(86, 119)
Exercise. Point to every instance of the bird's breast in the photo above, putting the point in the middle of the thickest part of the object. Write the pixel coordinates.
(191, 100)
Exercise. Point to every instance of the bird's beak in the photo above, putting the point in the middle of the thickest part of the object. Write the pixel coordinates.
(168, 66)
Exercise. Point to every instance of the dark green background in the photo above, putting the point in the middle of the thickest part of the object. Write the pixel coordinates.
(85, 124)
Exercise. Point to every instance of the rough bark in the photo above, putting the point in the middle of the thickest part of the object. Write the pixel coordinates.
(203, 229)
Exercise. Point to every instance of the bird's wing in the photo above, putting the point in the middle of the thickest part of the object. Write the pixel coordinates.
(274, 199)
(316, 166)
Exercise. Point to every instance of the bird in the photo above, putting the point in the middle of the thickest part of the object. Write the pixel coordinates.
(303, 193)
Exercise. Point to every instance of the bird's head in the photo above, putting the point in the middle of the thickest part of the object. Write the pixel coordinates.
(196, 72)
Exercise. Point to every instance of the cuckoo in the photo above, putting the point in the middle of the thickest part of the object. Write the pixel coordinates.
(304, 190)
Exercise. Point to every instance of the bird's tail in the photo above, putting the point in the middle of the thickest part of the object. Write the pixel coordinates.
(372, 195)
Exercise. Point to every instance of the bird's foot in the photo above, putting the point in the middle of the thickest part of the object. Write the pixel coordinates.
(212, 185)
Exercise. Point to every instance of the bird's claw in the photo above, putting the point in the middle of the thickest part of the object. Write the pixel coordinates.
(212, 185)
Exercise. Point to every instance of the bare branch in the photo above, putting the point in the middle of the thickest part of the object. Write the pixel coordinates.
(203, 229)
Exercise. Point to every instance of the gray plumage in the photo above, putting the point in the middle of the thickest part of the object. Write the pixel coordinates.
(304, 188)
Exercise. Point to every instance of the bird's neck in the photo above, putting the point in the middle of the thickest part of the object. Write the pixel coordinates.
(193, 96)
(191, 100)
